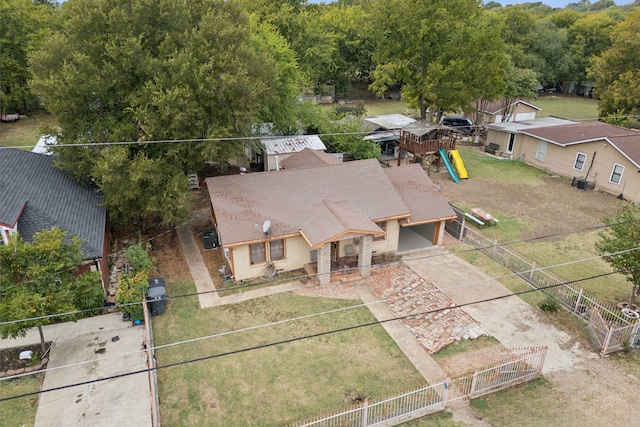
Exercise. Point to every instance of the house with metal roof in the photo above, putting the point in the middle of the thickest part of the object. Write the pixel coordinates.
(35, 195)
(325, 218)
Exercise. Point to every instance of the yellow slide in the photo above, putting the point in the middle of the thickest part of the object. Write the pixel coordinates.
(458, 164)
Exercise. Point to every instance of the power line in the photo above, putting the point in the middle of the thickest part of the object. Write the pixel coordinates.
(279, 322)
(287, 341)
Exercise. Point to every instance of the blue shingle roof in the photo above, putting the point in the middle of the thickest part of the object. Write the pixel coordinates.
(37, 195)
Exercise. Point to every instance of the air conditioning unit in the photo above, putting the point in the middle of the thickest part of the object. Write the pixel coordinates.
(227, 253)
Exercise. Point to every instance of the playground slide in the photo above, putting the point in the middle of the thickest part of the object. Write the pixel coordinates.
(458, 164)
(447, 163)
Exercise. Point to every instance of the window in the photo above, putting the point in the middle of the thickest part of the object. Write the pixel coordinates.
(276, 250)
(579, 163)
(616, 173)
(542, 150)
(383, 225)
(257, 253)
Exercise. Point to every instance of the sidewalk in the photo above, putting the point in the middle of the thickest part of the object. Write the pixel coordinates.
(198, 268)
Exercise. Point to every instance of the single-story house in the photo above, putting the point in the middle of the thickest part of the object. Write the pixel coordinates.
(604, 156)
(277, 149)
(35, 195)
(321, 217)
(507, 135)
(501, 111)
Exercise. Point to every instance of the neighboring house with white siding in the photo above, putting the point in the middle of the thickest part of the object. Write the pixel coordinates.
(320, 217)
(508, 135)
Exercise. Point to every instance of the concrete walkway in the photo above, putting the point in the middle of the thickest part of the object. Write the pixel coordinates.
(510, 320)
(407, 342)
(107, 346)
(207, 294)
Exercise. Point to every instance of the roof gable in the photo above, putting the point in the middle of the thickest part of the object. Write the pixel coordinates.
(37, 195)
(309, 158)
(497, 106)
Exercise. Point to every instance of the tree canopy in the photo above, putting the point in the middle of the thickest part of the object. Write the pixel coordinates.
(444, 54)
(622, 239)
(39, 279)
(160, 70)
(617, 70)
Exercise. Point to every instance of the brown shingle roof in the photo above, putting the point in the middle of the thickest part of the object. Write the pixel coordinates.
(309, 158)
(288, 198)
(629, 146)
(578, 132)
(420, 194)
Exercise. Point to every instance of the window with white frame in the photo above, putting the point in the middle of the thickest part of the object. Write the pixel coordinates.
(276, 250)
(616, 173)
(257, 253)
(581, 158)
(542, 150)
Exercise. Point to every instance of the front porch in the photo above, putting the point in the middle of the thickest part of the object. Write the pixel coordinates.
(341, 259)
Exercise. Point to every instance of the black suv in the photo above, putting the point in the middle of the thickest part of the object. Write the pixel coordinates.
(461, 124)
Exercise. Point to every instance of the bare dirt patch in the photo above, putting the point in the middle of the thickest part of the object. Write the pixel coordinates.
(549, 208)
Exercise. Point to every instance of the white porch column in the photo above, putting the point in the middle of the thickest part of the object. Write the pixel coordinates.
(364, 255)
(324, 264)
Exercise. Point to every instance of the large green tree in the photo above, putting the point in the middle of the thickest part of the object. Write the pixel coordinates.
(38, 279)
(617, 70)
(588, 36)
(623, 239)
(154, 70)
(24, 26)
(443, 53)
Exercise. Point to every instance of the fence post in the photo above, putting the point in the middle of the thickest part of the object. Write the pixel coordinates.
(365, 413)
(533, 267)
(462, 225)
(445, 398)
(607, 339)
(577, 304)
(493, 251)
(473, 384)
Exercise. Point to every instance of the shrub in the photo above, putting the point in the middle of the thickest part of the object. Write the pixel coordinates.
(549, 304)
(132, 289)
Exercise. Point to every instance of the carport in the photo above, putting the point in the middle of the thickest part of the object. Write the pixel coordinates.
(416, 237)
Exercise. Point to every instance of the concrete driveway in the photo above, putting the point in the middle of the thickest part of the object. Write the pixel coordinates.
(89, 349)
(510, 320)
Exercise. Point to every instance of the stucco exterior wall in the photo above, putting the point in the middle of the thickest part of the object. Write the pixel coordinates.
(296, 256)
(561, 160)
(390, 243)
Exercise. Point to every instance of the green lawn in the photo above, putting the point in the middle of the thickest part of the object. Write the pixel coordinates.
(25, 132)
(22, 411)
(274, 385)
(566, 106)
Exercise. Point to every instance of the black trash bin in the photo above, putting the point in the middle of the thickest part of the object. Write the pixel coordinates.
(210, 240)
(157, 298)
(158, 281)
(582, 184)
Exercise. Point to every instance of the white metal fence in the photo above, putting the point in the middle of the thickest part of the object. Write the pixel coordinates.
(520, 365)
(609, 329)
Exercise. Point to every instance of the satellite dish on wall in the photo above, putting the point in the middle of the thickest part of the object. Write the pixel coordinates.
(265, 227)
